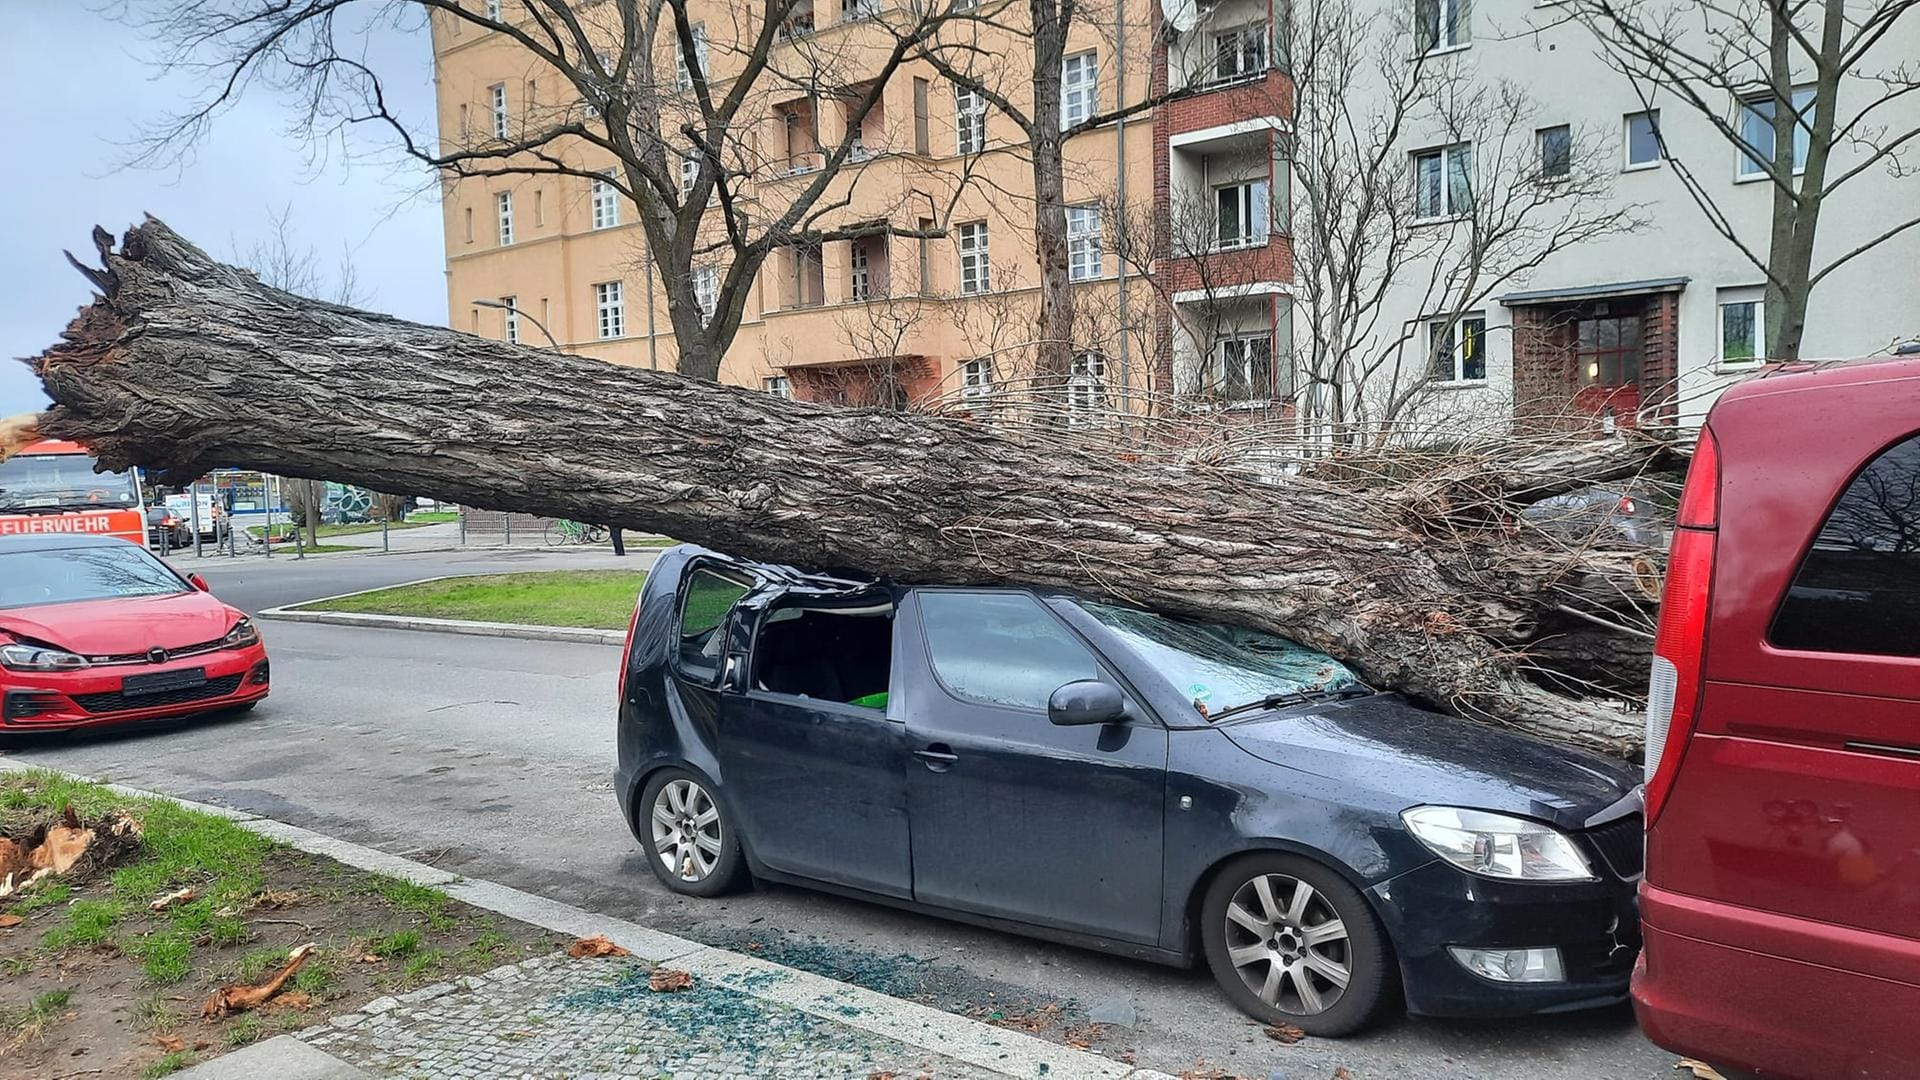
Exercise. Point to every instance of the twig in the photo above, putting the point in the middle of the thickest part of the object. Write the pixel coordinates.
(1608, 623)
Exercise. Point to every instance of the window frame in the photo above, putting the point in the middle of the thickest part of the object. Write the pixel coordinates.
(1627, 162)
(1458, 367)
(706, 290)
(971, 241)
(1445, 12)
(503, 215)
(1758, 356)
(1086, 387)
(969, 121)
(976, 379)
(859, 272)
(496, 10)
(1086, 251)
(510, 319)
(1082, 91)
(604, 203)
(610, 309)
(1249, 64)
(502, 113)
(1565, 160)
(1448, 156)
(780, 386)
(1243, 339)
(1748, 164)
(748, 583)
(1255, 227)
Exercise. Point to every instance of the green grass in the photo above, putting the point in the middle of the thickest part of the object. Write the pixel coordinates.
(168, 1065)
(89, 923)
(414, 521)
(247, 1029)
(421, 965)
(153, 1014)
(43, 896)
(162, 956)
(395, 945)
(257, 962)
(24, 1022)
(319, 976)
(594, 598)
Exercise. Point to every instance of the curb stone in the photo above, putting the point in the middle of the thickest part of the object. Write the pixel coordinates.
(921, 1026)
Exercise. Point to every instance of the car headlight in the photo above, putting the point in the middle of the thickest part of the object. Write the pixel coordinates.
(18, 657)
(242, 634)
(1496, 845)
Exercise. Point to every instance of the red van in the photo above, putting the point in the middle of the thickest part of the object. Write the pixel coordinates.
(1781, 903)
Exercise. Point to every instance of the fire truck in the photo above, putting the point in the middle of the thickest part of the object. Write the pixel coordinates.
(50, 487)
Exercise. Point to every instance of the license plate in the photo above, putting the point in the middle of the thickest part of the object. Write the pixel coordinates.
(159, 681)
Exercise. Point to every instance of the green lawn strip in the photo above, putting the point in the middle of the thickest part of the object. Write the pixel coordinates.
(601, 599)
(24, 1022)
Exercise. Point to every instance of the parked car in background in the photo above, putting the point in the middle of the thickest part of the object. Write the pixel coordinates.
(95, 631)
(166, 531)
(1781, 904)
(1634, 511)
(1105, 776)
(212, 515)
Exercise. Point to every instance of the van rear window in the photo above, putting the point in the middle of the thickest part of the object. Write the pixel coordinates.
(1859, 589)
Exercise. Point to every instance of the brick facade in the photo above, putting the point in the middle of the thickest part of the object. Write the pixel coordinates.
(1271, 96)
(1548, 392)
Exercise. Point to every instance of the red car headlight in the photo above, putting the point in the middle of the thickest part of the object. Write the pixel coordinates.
(20, 657)
(242, 635)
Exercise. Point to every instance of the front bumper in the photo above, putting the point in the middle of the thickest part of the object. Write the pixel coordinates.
(1594, 925)
(68, 700)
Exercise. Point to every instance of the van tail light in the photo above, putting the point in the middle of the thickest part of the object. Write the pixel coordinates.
(1680, 643)
(626, 653)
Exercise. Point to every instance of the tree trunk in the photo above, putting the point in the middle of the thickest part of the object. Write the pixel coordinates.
(1425, 586)
(1053, 354)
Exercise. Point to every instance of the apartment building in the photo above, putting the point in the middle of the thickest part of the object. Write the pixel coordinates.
(875, 318)
(1655, 322)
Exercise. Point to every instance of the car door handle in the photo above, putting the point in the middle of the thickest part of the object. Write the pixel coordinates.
(939, 757)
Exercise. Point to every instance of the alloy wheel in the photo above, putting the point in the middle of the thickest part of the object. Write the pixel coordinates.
(1288, 944)
(686, 830)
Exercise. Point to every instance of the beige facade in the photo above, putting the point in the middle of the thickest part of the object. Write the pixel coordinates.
(578, 262)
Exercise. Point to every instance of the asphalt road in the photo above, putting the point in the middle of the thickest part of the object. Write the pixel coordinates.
(493, 758)
(254, 582)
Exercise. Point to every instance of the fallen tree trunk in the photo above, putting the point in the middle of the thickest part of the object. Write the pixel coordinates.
(183, 364)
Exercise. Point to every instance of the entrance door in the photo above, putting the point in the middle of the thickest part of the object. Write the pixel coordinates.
(1607, 350)
(1012, 816)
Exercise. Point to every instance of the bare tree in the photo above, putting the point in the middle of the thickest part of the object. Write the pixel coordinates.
(709, 121)
(279, 259)
(1811, 95)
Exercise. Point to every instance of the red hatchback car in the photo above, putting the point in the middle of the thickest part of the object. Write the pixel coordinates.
(1781, 903)
(94, 630)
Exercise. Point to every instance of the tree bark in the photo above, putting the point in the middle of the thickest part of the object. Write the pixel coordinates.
(183, 364)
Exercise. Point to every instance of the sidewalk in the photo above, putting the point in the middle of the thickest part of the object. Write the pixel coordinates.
(556, 1016)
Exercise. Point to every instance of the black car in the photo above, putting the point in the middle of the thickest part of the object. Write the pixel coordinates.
(1092, 773)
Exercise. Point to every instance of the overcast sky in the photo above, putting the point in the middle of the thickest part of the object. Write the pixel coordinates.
(80, 86)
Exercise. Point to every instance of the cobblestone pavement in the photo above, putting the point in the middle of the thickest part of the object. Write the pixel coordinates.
(555, 1017)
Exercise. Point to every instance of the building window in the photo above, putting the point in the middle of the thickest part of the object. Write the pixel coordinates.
(1443, 184)
(1439, 24)
(499, 95)
(1240, 53)
(1083, 243)
(809, 276)
(610, 307)
(689, 174)
(1242, 214)
(779, 386)
(855, 10)
(976, 379)
(1556, 152)
(1079, 88)
(926, 257)
(1087, 388)
(510, 319)
(503, 202)
(1457, 348)
(1741, 327)
(706, 290)
(969, 121)
(682, 74)
(1756, 131)
(469, 215)
(1643, 139)
(1245, 366)
(606, 203)
(539, 207)
(975, 273)
(862, 271)
(493, 9)
(466, 123)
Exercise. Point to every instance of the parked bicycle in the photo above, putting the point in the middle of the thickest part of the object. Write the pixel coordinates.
(561, 531)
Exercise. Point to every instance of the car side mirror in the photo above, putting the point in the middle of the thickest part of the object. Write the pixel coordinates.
(1086, 701)
(199, 582)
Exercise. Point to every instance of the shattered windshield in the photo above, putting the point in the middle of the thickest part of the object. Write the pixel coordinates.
(1217, 666)
(62, 481)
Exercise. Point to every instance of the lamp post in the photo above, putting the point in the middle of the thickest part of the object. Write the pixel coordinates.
(521, 315)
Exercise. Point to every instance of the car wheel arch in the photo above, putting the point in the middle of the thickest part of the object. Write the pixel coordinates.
(714, 787)
(1196, 892)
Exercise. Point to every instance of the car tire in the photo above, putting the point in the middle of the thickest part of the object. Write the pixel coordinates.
(1295, 947)
(688, 835)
